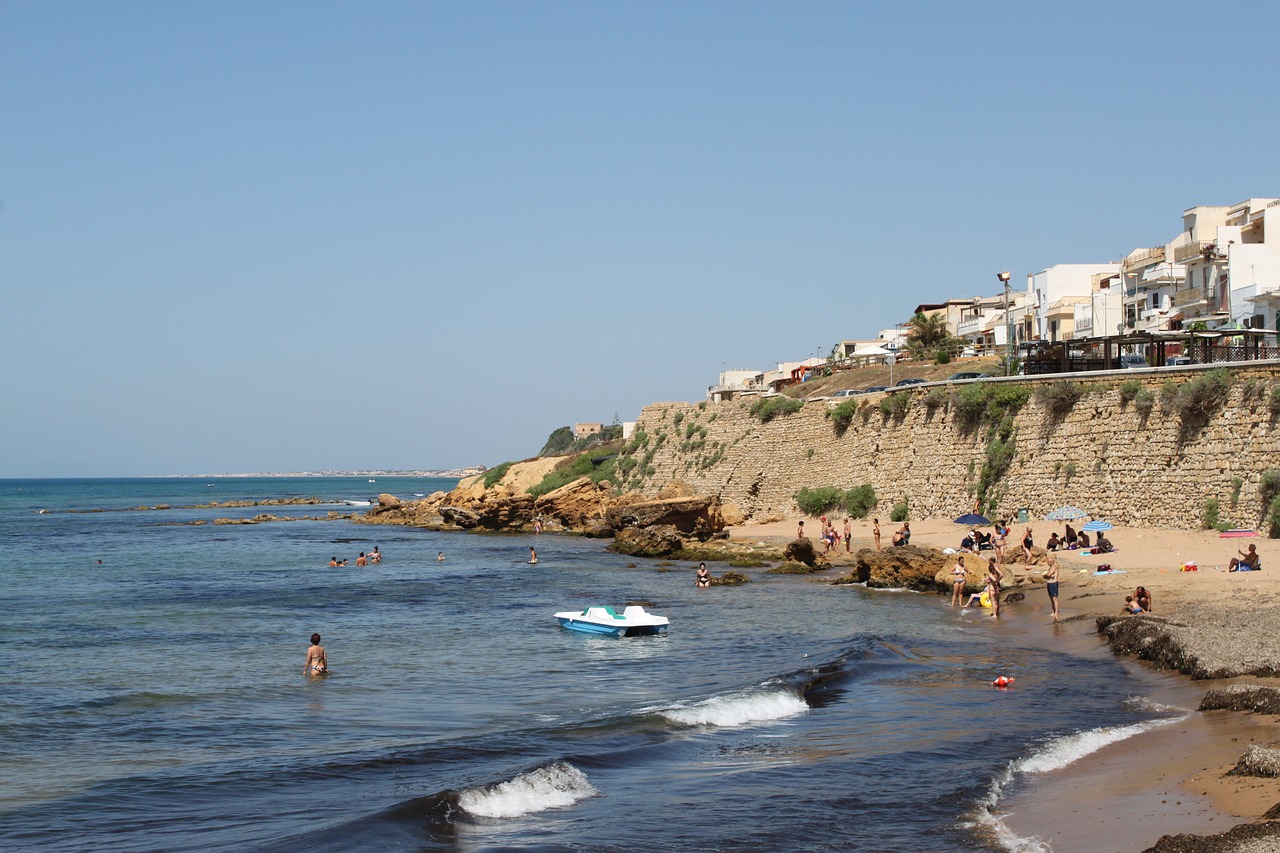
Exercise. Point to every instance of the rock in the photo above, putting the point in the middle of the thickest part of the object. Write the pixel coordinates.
(730, 579)
(732, 515)
(1013, 596)
(676, 489)
(1244, 837)
(801, 551)
(657, 541)
(792, 568)
(698, 517)
(1254, 698)
(388, 501)
(506, 513)
(906, 567)
(1220, 643)
(598, 530)
(459, 517)
(577, 504)
(1257, 761)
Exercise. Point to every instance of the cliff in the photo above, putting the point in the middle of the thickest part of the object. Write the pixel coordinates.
(1122, 447)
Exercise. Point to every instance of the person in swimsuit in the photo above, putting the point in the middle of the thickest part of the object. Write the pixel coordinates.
(703, 578)
(848, 534)
(375, 556)
(440, 557)
(875, 531)
(362, 560)
(1051, 584)
(1143, 598)
(317, 663)
(1070, 537)
(994, 576)
(1131, 607)
(1246, 562)
(959, 577)
(1026, 540)
(800, 529)
(333, 561)
(533, 556)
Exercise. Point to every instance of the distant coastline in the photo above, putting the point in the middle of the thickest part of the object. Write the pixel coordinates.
(442, 473)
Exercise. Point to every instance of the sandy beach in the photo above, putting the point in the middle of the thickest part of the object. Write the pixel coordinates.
(1171, 780)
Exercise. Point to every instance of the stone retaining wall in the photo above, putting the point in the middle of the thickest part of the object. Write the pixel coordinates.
(1102, 456)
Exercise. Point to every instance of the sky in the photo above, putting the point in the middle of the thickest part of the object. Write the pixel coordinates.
(287, 236)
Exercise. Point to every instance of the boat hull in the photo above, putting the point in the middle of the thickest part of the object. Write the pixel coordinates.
(584, 627)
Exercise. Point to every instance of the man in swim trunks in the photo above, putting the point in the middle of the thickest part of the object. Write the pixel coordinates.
(1246, 562)
(1051, 584)
(316, 663)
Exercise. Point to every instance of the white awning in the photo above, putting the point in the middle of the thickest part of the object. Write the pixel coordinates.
(1165, 271)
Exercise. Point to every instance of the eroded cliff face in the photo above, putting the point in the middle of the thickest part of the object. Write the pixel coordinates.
(1127, 463)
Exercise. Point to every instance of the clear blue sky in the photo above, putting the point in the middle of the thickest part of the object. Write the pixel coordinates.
(243, 236)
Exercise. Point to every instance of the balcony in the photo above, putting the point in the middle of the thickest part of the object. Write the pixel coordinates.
(1140, 258)
(1190, 296)
(970, 326)
(1195, 251)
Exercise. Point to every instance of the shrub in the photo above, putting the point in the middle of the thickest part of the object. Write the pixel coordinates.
(1070, 470)
(702, 405)
(1129, 390)
(569, 470)
(843, 413)
(1273, 519)
(943, 357)
(1199, 399)
(493, 475)
(677, 418)
(1268, 488)
(1059, 397)
(987, 403)
(860, 500)
(1236, 485)
(768, 408)
(1143, 402)
(895, 405)
(820, 500)
(1273, 400)
(1210, 517)
(900, 511)
(936, 398)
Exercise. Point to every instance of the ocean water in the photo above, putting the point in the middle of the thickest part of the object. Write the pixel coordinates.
(154, 701)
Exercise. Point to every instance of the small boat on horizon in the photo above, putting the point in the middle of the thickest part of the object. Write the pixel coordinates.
(371, 480)
(633, 621)
(358, 503)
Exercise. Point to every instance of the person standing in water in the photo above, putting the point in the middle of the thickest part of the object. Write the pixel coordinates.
(1051, 584)
(533, 556)
(703, 578)
(317, 663)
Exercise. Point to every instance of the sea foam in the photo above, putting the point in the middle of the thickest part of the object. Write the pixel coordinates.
(551, 787)
(738, 709)
(1058, 753)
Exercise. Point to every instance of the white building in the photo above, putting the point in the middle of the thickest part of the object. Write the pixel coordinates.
(735, 382)
(1057, 292)
(1232, 268)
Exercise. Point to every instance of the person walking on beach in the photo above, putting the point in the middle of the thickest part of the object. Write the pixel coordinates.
(800, 529)
(994, 576)
(848, 533)
(1051, 584)
(875, 532)
(317, 663)
(959, 577)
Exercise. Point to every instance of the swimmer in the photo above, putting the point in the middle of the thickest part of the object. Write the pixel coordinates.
(703, 578)
(361, 560)
(317, 663)
(440, 557)
(533, 556)
(375, 556)
(333, 561)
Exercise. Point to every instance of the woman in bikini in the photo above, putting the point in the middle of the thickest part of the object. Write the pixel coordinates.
(316, 663)
(959, 577)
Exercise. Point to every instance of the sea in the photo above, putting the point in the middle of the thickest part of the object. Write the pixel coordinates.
(154, 699)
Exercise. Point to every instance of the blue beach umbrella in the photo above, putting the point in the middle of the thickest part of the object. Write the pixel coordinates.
(1066, 513)
(972, 518)
(1097, 525)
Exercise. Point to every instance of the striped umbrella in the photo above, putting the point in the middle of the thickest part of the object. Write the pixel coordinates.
(1097, 525)
(1066, 513)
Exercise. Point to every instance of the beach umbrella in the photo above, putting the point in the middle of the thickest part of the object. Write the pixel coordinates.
(972, 518)
(1097, 525)
(1066, 513)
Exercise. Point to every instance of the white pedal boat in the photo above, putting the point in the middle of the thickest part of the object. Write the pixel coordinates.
(633, 621)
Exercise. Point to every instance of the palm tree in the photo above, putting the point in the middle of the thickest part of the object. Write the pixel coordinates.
(928, 332)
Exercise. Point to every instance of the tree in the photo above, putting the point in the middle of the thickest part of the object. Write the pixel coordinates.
(928, 333)
(558, 442)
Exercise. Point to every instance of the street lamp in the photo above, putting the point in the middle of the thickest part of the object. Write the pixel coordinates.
(1008, 326)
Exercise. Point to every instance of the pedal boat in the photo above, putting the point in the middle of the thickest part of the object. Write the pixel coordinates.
(633, 621)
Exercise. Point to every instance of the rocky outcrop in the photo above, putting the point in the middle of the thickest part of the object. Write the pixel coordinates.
(696, 517)
(1245, 837)
(459, 517)
(908, 567)
(660, 540)
(577, 505)
(1254, 698)
(1211, 648)
(801, 551)
(1257, 761)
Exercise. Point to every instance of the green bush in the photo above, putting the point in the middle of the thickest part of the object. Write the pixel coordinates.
(768, 408)
(569, 470)
(496, 473)
(1236, 485)
(1210, 516)
(936, 398)
(843, 413)
(819, 501)
(1273, 518)
(860, 500)
(943, 357)
(1143, 402)
(1268, 488)
(1273, 400)
(1060, 397)
(983, 402)
(558, 442)
(677, 418)
(895, 405)
(1128, 390)
(901, 511)
(1198, 400)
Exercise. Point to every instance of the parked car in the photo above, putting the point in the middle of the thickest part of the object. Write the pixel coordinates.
(965, 374)
(1133, 361)
(871, 389)
(1177, 360)
(845, 392)
(902, 382)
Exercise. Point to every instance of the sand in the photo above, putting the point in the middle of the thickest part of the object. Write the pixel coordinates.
(1171, 780)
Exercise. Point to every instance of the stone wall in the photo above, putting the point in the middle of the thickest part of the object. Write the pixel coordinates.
(1102, 455)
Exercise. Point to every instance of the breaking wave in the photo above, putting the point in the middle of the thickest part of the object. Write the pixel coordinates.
(551, 787)
(738, 709)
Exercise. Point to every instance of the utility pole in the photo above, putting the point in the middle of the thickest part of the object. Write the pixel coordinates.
(1008, 326)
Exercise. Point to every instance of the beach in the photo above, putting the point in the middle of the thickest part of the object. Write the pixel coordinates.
(1170, 779)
